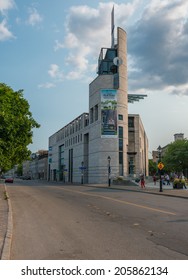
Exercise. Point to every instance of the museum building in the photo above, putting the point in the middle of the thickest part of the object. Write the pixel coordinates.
(105, 142)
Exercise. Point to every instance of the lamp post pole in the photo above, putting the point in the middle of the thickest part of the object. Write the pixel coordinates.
(160, 179)
(82, 172)
(109, 171)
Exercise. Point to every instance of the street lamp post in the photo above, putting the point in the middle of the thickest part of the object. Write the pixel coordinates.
(82, 172)
(160, 179)
(109, 171)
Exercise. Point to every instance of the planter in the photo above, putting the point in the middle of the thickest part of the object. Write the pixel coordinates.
(124, 182)
(116, 182)
(178, 185)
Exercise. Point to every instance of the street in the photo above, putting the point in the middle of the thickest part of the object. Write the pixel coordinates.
(53, 221)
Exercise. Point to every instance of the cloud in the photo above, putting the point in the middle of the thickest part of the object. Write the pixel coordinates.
(158, 44)
(47, 85)
(6, 5)
(54, 68)
(87, 30)
(157, 37)
(34, 17)
(58, 45)
(181, 90)
(55, 72)
(5, 34)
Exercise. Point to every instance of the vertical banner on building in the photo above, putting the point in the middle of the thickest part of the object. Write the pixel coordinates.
(108, 113)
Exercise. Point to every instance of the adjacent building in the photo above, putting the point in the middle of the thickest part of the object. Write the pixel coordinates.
(37, 166)
(155, 154)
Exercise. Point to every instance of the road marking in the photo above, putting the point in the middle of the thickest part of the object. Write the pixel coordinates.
(120, 201)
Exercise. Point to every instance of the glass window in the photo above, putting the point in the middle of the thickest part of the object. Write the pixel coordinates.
(120, 117)
(91, 115)
(120, 157)
(79, 124)
(121, 144)
(61, 155)
(86, 122)
(120, 132)
(96, 112)
(131, 122)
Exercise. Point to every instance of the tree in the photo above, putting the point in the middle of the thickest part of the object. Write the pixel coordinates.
(152, 167)
(176, 156)
(19, 170)
(16, 124)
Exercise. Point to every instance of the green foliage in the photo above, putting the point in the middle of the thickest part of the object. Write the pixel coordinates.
(16, 124)
(152, 167)
(19, 170)
(176, 156)
(177, 180)
(5, 195)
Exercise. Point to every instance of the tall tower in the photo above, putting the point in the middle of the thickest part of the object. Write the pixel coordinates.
(108, 110)
(178, 136)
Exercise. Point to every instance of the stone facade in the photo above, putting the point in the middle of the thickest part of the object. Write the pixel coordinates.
(138, 147)
(37, 166)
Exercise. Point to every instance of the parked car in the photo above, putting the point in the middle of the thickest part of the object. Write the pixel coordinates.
(9, 180)
(27, 177)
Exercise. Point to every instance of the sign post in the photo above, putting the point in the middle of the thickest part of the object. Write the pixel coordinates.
(160, 167)
(82, 168)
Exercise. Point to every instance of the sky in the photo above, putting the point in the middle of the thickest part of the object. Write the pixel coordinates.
(50, 50)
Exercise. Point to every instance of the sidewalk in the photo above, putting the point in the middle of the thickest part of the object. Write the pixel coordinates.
(6, 213)
(155, 189)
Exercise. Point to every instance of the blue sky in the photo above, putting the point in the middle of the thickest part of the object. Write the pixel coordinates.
(50, 49)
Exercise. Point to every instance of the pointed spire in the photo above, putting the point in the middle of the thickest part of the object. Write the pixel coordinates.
(112, 27)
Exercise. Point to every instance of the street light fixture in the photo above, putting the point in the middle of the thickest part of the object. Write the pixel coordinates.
(109, 170)
(159, 149)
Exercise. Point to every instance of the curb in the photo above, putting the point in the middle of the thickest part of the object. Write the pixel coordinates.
(147, 191)
(163, 193)
(8, 237)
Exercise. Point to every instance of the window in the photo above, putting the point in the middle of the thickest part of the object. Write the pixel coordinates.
(91, 115)
(61, 155)
(79, 124)
(96, 112)
(86, 122)
(120, 144)
(120, 158)
(120, 117)
(131, 122)
(120, 150)
(120, 132)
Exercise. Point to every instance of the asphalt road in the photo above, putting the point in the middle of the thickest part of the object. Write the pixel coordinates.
(51, 221)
